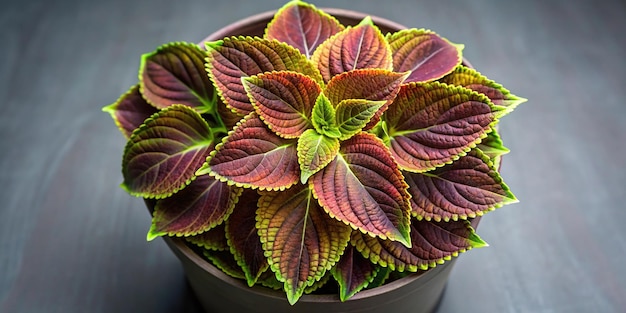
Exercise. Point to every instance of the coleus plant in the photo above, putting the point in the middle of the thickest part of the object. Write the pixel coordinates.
(319, 154)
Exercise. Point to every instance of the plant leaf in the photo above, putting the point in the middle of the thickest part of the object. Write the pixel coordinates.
(314, 152)
(175, 74)
(243, 240)
(363, 188)
(212, 239)
(359, 47)
(472, 79)
(353, 272)
(303, 26)
(163, 154)
(492, 145)
(130, 111)
(283, 100)
(423, 53)
(353, 114)
(323, 117)
(202, 205)
(368, 84)
(252, 156)
(225, 261)
(433, 243)
(233, 58)
(300, 241)
(467, 188)
(433, 124)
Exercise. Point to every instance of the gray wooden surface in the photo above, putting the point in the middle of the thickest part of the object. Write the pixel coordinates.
(72, 241)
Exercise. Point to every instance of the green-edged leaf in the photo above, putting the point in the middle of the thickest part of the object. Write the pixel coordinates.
(175, 74)
(283, 100)
(212, 239)
(243, 240)
(233, 58)
(303, 26)
(268, 279)
(202, 205)
(468, 187)
(472, 79)
(353, 272)
(433, 124)
(383, 274)
(319, 284)
(363, 188)
(353, 114)
(300, 241)
(323, 117)
(130, 111)
(433, 243)
(423, 53)
(368, 84)
(492, 145)
(359, 47)
(225, 261)
(252, 156)
(314, 152)
(163, 154)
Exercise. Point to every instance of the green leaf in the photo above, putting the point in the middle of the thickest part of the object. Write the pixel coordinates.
(472, 79)
(323, 117)
(225, 261)
(243, 240)
(353, 114)
(175, 74)
(359, 47)
(314, 152)
(202, 205)
(300, 241)
(353, 273)
(284, 101)
(467, 188)
(303, 26)
(432, 243)
(433, 124)
(492, 145)
(130, 111)
(234, 58)
(252, 156)
(364, 188)
(162, 156)
(423, 53)
(212, 239)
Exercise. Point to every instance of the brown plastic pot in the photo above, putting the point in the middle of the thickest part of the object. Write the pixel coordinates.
(218, 292)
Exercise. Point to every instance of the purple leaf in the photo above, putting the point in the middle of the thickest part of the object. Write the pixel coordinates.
(130, 111)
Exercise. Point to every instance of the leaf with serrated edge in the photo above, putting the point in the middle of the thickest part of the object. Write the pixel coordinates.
(130, 111)
(252, 156)
(284, 101)
(323, 117)
(424, 53)
(314, 152)
(492, 145)
(353, 273)
(302, 26)
(467, 188)
(233, 58)
(212, 239)
(202, 205)
(359, 47)
(175, 74)
(225, 261)
(433, 243)
(433, 124)
(363, 188)
(162, 155)
(300, 241)
(243, 240)
(353, 114)
(368, 84)
(472, 79)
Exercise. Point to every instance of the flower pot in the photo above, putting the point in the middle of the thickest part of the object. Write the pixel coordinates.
(218, 292)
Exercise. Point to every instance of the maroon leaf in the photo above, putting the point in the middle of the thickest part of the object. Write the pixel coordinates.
(252, 156)
(353, 272)
(212, 239)
(302, 26)
(423, 53)
(202, 205)
(130, 111)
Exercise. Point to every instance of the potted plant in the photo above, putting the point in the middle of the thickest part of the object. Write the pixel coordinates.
(321, 158)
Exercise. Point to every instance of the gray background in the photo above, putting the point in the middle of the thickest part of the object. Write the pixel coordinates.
(72, 241)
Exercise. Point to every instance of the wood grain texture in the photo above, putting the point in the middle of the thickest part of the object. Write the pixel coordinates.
(71, 240)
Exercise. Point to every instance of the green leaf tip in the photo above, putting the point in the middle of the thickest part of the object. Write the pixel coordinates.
(366, 21)
(214, 44)
(476, 241)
